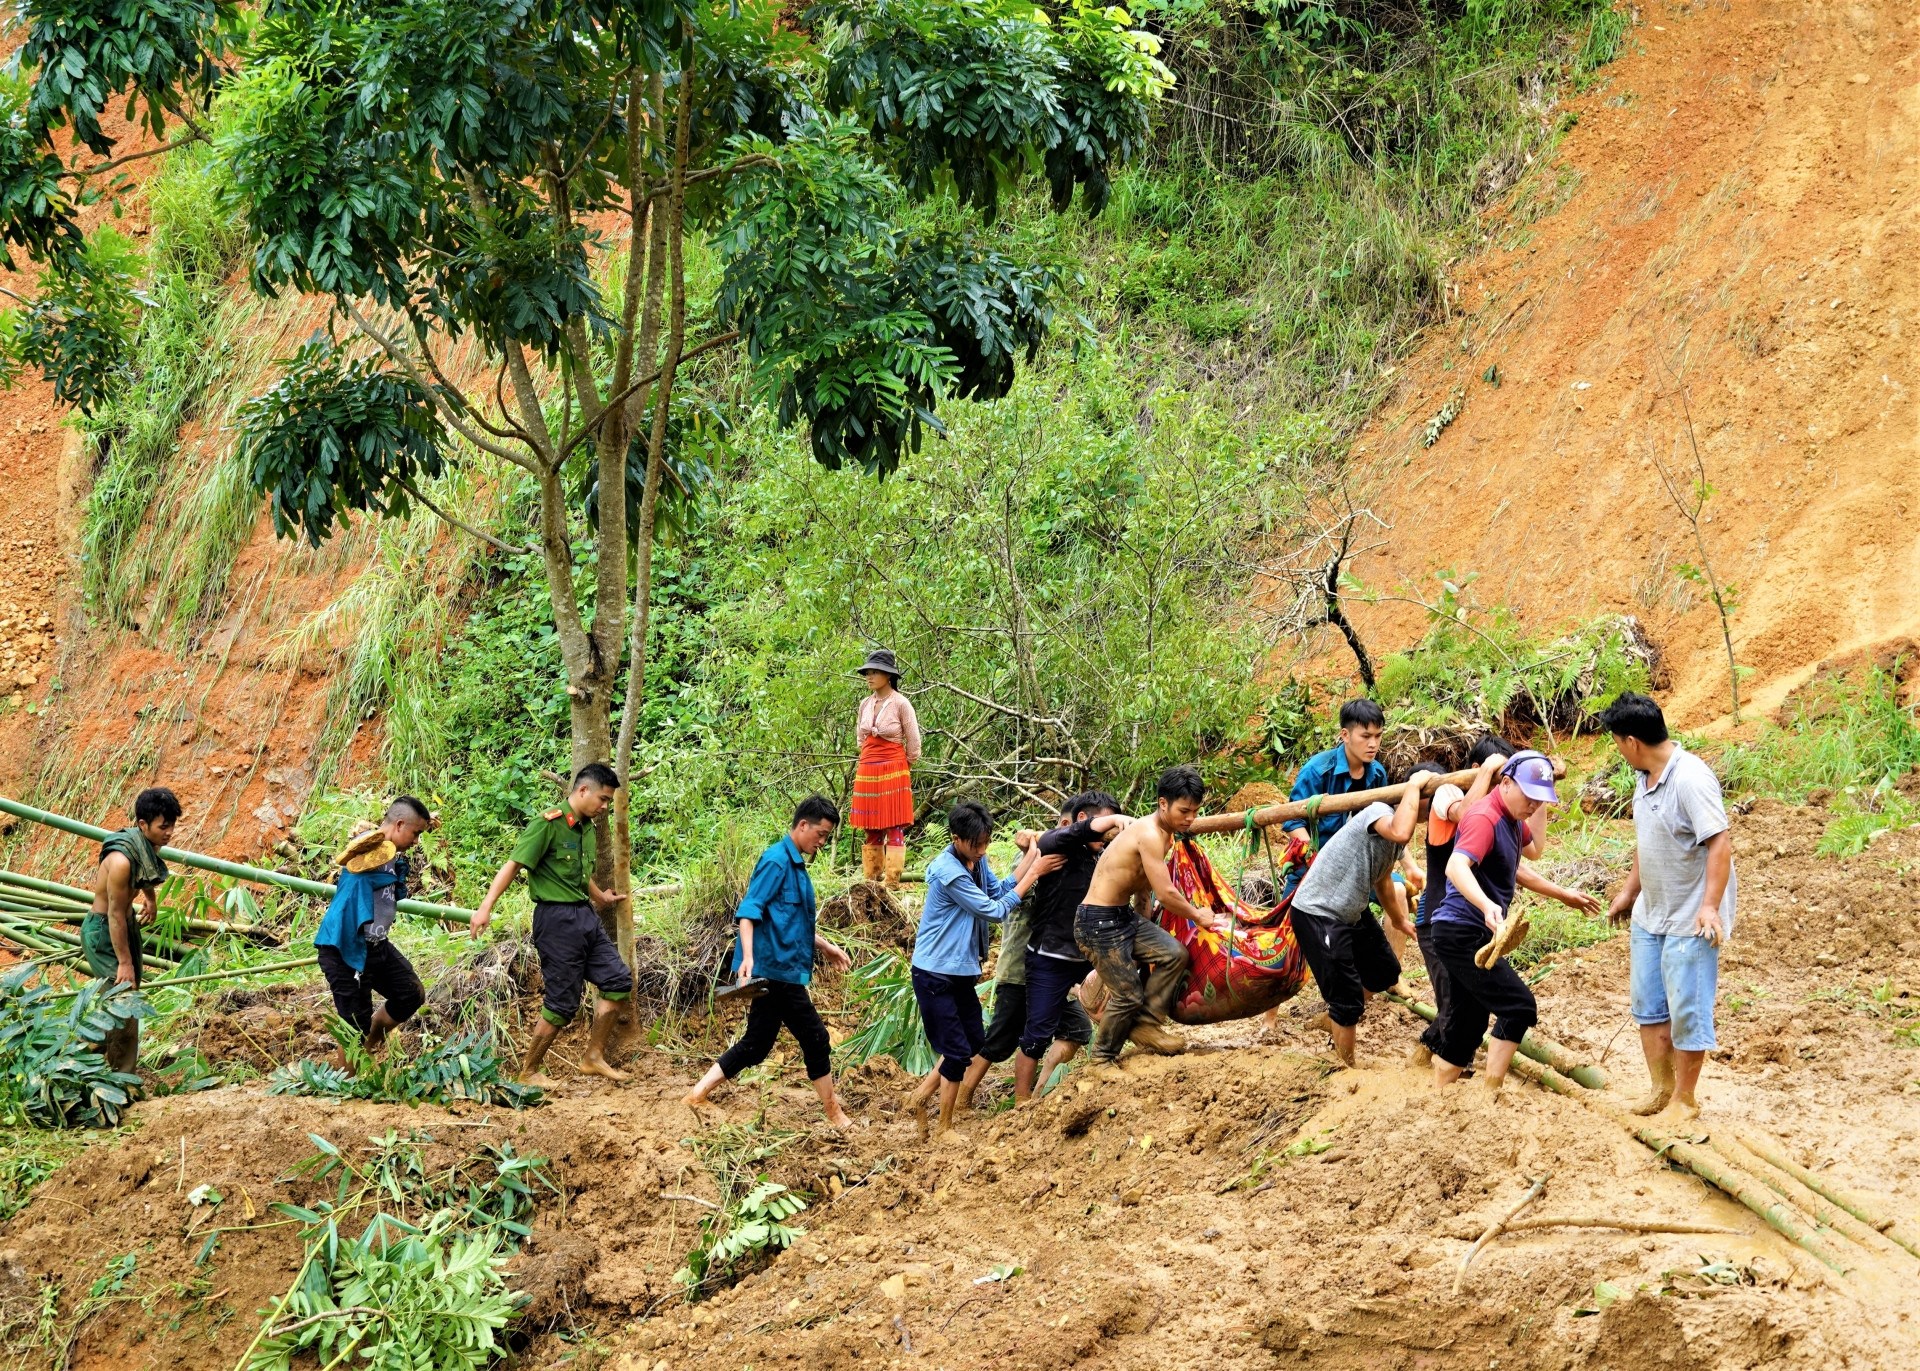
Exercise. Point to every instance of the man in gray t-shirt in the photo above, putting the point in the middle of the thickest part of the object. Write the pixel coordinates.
(1343, 943)
(1679, 897)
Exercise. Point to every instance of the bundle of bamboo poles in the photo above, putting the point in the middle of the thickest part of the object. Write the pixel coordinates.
(44, 917)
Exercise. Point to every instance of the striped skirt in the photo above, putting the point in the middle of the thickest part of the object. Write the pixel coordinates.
(882, 788)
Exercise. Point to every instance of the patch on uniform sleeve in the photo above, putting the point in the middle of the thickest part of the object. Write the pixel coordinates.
(553, 814)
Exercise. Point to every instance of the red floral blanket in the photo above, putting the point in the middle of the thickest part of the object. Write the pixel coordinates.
(1253, 967)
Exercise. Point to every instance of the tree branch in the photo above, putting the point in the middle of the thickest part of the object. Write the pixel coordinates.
(487, 538)
(996, 705)
(436, 394)
(83, 173)
(649, 379)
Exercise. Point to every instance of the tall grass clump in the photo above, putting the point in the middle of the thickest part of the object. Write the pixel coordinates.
(1844, 732)
(184, 344)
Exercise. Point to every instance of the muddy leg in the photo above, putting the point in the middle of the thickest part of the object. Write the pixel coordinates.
(544, 1033)
(595, 1059)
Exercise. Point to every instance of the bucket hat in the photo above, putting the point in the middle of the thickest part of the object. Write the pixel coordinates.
(880, 660)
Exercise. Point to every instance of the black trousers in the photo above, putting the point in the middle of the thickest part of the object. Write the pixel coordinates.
(950, 1013)
(387, 973)
(1050, 1012)
(1477, 994)
(1346, 959)
(1442, 982)
(784, 1004)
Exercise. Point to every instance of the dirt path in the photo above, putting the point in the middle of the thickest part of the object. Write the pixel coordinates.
(1737, 205)
(1158, 1224)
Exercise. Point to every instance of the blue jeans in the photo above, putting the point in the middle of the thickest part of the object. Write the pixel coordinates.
(1675, 978)
(1118, 942)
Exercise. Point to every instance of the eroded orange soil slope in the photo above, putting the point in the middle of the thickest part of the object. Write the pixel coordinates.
(1734, 213)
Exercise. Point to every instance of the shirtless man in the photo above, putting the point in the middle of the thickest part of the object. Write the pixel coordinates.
(129, 873)
(1114, 937)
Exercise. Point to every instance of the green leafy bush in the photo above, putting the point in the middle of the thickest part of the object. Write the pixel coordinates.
(1846, 730)
(1481, 668)
(466, 1067)
(51, 1071)
(397, 1298)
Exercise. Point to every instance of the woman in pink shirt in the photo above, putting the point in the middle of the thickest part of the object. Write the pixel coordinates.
(889, 737)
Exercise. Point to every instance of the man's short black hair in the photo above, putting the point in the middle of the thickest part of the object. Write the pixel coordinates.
(969, 821)
(157, 803)
(1362, 713)
(1089, 803)
(1182, 783)
(1493, 745)
(596, 773)
(402, 806)
(1635, 716)
(1433, 764)
(815, 808)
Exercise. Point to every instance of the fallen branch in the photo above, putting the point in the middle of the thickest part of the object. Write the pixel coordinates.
(1895, 1230)
(1624, 1225)
(1538, 1189)
(691, 1199)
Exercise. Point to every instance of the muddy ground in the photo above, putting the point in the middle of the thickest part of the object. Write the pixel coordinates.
(1157, 1223)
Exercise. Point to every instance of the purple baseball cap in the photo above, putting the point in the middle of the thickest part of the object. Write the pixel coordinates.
(1533, 773)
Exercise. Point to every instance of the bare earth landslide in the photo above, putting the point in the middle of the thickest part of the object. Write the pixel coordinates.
(1148, 1234)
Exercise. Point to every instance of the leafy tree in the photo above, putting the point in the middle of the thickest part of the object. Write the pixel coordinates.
(446, 172)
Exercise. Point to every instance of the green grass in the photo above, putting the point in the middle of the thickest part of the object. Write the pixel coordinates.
(1851, 730)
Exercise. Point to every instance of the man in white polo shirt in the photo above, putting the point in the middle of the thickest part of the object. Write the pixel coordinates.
(1680, 897)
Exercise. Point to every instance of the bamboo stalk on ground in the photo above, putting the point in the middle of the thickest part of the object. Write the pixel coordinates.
(1895, 1230)
(71, 892)
(1350, 803)
(1811, 1201)
(1775, 1213)
(52, 895)
(41, 914)
(232, 973)
(239, 871)
(1543, 1050)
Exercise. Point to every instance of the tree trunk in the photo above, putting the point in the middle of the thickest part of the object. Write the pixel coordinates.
(666, 232)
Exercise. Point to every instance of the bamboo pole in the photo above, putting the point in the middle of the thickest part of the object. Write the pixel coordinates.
(1348, 803)
(70, 892)
(1775, 1213)
(239, 871)
(1543, 1050)
(1895, 1230)
(1822, 1210)
(233, 974)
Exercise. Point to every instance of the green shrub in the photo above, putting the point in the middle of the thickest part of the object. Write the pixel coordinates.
(51, 1072)
(1840, 731)
(465, 1067)
(882, 992)
(397, 1298)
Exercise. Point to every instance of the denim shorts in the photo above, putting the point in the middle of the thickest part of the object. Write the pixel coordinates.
(1675, 977)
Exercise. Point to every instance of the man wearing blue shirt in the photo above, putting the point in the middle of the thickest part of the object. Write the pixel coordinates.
(1347, 766)
(778, 942)
(964, 900)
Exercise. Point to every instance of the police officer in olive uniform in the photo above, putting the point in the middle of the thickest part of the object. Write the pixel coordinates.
(557, 852)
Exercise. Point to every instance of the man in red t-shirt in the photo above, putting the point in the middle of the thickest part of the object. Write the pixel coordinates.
(1482, 874)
